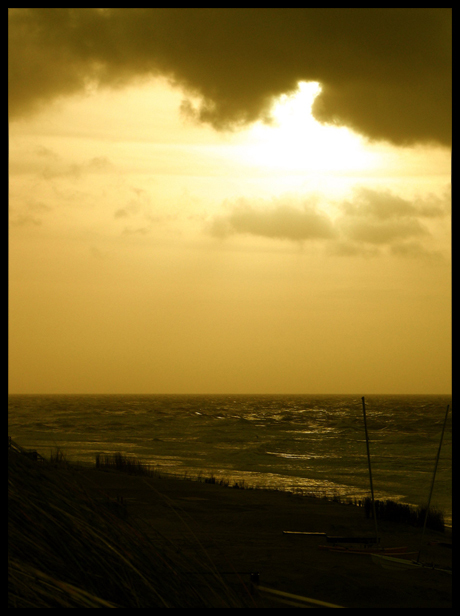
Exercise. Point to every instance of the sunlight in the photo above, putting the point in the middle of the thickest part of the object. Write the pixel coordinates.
(297, 142)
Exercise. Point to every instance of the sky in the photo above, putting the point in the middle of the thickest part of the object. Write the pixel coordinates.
(229, 201)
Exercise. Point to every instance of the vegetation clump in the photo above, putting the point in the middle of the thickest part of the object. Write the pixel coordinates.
(400, 512)
(121, 462)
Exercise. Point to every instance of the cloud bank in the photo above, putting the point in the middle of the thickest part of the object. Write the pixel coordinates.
(371, 220)
(386, 73)
(282, 221)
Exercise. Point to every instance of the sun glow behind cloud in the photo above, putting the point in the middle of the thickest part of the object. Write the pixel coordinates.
(295, 142)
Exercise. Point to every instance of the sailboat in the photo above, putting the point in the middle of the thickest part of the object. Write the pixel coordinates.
(392, 562)
(388, 557)
(375, 549)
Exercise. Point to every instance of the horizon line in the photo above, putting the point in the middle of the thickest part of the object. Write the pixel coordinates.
(224, 394)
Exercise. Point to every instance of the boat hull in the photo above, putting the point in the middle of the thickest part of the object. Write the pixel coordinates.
(369, 550)
(391, 562)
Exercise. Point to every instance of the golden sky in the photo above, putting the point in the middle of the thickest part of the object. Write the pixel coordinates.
(229, 200)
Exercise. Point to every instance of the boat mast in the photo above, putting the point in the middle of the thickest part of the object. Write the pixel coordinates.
(370, 470)
(432, 481)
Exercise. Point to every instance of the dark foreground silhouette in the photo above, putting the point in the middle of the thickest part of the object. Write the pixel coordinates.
(81, 537)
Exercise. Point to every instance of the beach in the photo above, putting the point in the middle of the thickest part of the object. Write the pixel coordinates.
(239, 532)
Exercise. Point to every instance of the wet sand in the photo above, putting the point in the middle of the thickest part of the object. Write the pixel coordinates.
(241, 532)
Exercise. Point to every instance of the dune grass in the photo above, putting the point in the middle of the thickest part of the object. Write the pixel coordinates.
(123, 463)
(58, 457)
(69, 549)
(129, 464)
(400, 512)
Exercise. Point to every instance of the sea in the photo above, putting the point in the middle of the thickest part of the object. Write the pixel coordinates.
(305, 444)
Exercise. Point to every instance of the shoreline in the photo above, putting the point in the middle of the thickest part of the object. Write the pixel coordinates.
(237, 479)
(241, 531)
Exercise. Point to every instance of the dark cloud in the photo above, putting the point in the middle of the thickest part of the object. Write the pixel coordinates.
(367, 222)
(280, 220)
(385, 205)
(372, 231)
(381, 217)
(384, 72)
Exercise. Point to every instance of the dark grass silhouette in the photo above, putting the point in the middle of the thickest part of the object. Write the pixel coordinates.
(69, 549)
(131, 465)
(126, 464)
(400, 512)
